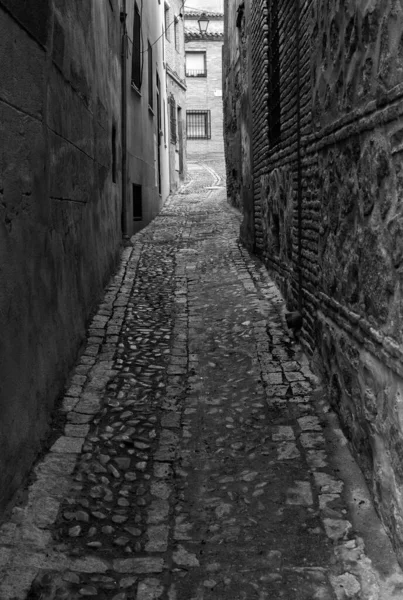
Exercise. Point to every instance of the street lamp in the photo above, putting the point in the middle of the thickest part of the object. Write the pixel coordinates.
(203, 22)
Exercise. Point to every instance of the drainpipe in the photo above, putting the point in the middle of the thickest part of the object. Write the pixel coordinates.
(123, 16)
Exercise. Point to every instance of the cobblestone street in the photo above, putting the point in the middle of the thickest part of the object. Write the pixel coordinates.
(194, 456)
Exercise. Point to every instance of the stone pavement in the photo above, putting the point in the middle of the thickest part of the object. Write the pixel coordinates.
(194, 456)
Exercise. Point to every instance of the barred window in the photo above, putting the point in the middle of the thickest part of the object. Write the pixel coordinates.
(198, 124)
(172, 119)
(274, 111)
(196, 65)
(136, 50)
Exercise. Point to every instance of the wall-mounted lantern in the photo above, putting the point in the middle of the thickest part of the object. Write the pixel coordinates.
(203, 22)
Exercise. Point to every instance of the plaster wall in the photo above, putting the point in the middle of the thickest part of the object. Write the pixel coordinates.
(143, 132)
(60, 210)
(176, 88)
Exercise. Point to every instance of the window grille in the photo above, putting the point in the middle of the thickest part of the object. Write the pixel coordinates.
(198, 124)
(137, 203)
(172, 119)
(274, 112)
(196, 64)
(150, 76)
(136, 50)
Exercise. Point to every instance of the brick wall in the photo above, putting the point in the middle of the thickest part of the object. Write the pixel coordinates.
(328, 213)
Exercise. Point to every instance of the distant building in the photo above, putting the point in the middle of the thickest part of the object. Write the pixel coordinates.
(174, 40)
(204, 111)
(147, 173)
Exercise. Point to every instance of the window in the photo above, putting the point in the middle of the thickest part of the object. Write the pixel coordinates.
(136, 51)
(150, 76)
(172, 118)
(167, 23)
(137, 203)
(198, 124)
(274, 107)
(176, 33)
(196, 65)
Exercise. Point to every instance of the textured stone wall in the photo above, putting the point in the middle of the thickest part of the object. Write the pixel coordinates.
(328, 212)
(237, 85)
(59, 206)
(357, 82)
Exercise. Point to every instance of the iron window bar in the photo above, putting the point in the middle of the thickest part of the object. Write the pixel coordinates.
(198, 124)
(196, 73)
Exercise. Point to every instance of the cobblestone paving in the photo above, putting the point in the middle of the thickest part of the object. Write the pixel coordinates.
(194, 462)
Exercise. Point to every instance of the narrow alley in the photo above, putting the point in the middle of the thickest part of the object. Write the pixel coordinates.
(193, 456)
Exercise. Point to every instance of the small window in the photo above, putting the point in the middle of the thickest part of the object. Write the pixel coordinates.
(167, 23)
(150, 76)
(137, 203)
(176, 27)
(136, 51)
(198, 124)
(196, 65)
(172, 118)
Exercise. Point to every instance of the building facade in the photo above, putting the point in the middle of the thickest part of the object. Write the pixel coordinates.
(176, 90)
(146, 165)
(204, 111)
(60, 203)
(327, 102)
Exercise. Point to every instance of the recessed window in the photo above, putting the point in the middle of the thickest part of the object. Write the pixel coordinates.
(172, 119)
(167, 23)
(137, 203)
(176, 33)
(150, 76)
(196, 65)
(198, 124)
(136, 52)
(274, 100)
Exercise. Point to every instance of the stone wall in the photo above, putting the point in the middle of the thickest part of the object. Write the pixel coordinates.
(356, 184)
(328, 214)
(60, 207)
(237, 85)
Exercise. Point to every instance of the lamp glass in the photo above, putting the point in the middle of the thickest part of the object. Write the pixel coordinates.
(203, 23)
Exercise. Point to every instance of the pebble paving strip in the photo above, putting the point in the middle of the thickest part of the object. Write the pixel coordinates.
(202, 469)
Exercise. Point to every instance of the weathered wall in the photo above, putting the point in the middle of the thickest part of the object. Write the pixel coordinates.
(59, 208)
(328, 212)
(142, 121)
(237, 86)
(176, 88)
(357, 83)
